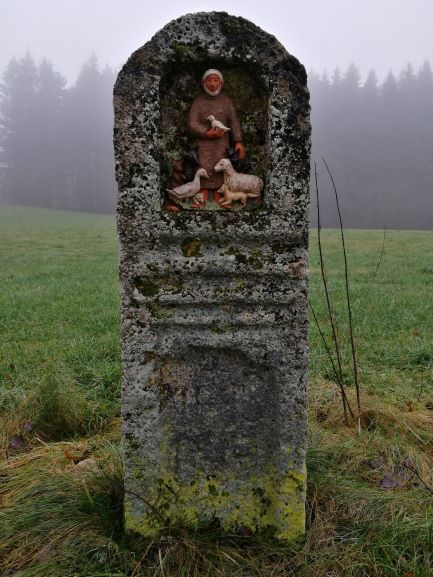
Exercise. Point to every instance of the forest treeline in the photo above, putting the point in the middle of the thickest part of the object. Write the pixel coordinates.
(56, 142)
(377, 137)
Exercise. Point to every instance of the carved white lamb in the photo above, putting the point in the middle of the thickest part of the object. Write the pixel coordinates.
(237, 181)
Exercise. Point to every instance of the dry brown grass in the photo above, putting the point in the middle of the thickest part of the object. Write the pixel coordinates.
(60, 505)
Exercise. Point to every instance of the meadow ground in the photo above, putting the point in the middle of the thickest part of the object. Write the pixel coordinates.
(369, 509)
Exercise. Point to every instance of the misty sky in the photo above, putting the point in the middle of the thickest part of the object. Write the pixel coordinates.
(323, 34)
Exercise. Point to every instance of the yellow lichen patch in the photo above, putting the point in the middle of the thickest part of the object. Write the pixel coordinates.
(143, 524)
(263, 504)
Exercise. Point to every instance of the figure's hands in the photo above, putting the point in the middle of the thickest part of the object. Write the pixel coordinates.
(240, 149)
(214, 133)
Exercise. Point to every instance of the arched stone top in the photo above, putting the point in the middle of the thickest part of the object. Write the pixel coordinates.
(196, 42)
(214, 35)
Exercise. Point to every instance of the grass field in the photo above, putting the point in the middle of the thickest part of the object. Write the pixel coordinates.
(60, 481)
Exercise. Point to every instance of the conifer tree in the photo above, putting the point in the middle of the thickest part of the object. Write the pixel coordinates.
(17, 127)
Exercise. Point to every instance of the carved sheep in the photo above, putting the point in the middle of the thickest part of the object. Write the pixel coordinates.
(238, 181)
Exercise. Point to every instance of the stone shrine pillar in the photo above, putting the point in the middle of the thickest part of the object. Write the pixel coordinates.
(214, 291)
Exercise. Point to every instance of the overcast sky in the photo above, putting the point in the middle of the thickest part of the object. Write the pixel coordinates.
(323, 34)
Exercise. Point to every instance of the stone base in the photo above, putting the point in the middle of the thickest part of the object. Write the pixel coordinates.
(263, 505)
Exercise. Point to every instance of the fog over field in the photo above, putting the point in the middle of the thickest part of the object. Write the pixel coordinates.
(369, 75)
(323, 35)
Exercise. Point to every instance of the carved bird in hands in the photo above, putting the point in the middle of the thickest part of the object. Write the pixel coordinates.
(216, 123)
(189, 188)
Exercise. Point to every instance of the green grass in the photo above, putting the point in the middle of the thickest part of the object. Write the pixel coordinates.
(393, 315)
(59, 397)
(59, 312)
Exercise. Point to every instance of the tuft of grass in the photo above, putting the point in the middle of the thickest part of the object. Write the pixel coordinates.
(57, 517)
(55, 408)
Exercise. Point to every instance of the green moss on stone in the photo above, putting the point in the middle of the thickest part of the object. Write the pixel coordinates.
(220, 328)
(279, 248)
(147, 288)
(240, 284)
(172, 285)
(255, 259)
(191, 247)
(162, 312)
(182, 52)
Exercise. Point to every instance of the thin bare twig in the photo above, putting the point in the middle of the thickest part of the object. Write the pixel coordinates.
(380, 260)
(373, 278)
(143, 557)
(147, 503)
(421, 389)
(328, 351)
(346, 404)
(349, 307)
(161, 562)
(316, 320)
(410, 467)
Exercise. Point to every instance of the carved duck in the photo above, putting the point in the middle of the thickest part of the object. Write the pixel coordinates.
(189, 188)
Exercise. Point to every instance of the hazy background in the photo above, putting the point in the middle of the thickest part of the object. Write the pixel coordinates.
(379, 34)
(375, 130)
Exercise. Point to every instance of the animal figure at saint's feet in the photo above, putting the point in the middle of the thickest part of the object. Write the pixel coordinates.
(237, 181)
(229, 196)
(189, 189)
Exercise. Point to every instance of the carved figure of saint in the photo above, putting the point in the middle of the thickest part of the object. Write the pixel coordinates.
(213, 121)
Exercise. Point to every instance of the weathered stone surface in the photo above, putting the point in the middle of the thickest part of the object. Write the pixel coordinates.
(214, 304)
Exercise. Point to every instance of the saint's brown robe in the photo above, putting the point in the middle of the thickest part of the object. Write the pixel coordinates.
(210, 151)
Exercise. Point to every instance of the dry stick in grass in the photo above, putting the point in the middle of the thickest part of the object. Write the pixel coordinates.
(407, 464)
(349, 307)
(380, 259)
(148, 504)
(161, 562)
(346, 404)
(373, 278)
(143, 557)
(316, 320)
(421, 389)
